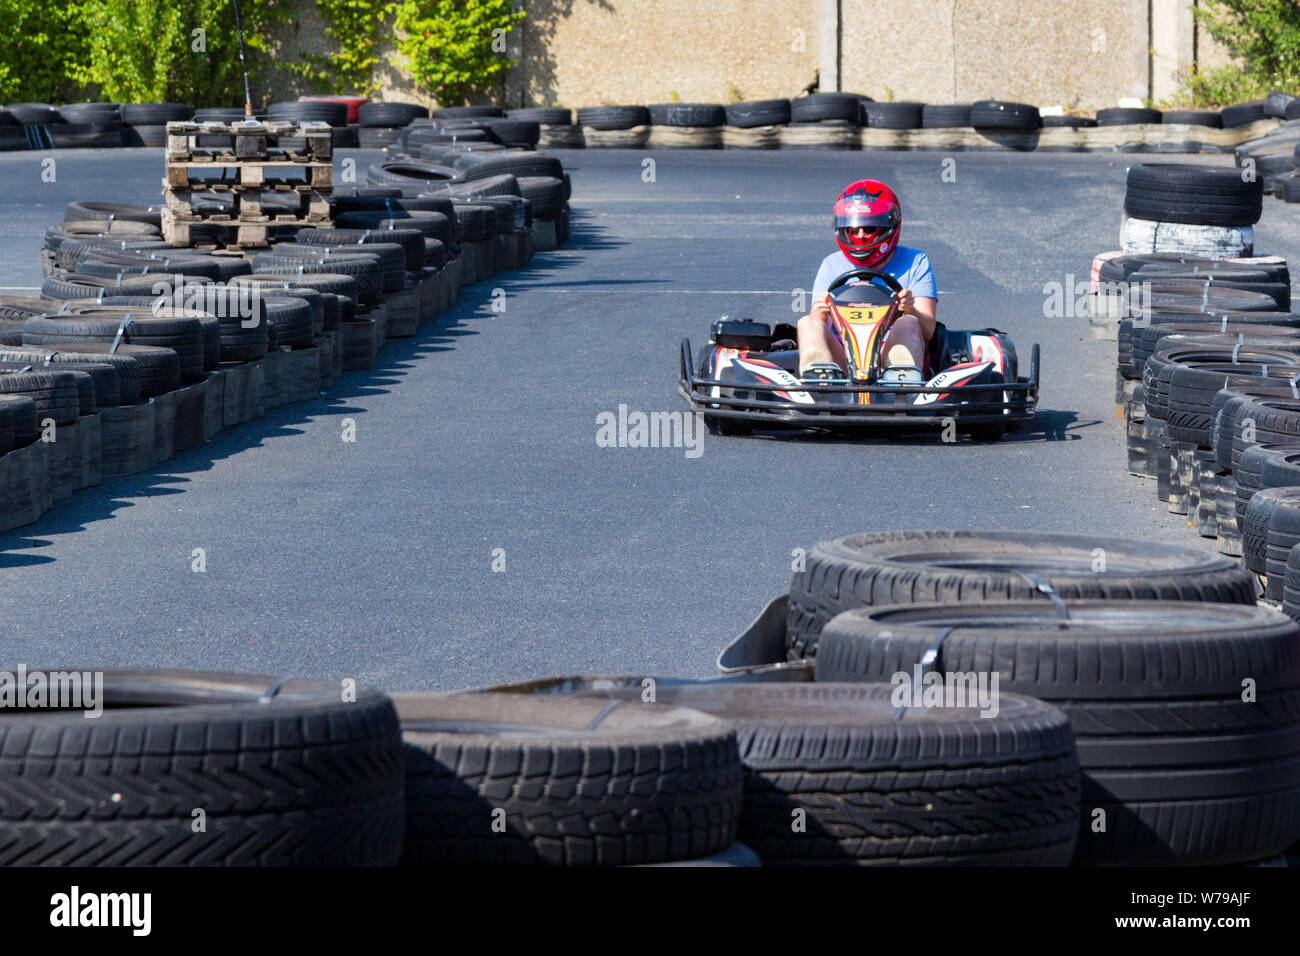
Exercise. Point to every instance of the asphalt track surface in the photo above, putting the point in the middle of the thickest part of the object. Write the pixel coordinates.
(373, 559)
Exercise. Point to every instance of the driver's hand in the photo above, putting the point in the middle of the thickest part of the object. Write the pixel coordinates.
(821, 310)
(906, 301)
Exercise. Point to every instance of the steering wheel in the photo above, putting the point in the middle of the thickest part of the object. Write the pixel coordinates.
(870, 275)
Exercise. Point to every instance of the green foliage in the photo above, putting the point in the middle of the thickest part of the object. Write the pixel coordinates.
(178, 50)
(454, 48)
(41, 39)
(1264, 35)
(355, 25)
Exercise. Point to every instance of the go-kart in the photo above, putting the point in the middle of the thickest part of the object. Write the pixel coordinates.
(746, 377)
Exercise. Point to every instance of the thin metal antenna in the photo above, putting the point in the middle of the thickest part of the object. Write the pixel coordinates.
(243, 62)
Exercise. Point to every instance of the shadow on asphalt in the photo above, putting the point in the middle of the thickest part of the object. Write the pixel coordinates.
(1047, 425)
(398, 355)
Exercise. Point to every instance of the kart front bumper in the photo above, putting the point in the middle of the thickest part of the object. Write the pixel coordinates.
(966, 404)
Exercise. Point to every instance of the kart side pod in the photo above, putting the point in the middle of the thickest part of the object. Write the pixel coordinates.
(741, 334)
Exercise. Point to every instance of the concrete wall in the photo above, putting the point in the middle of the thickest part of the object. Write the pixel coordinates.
(1081, 54)
(1076, 53)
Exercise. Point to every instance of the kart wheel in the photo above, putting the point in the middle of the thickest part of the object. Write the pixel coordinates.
(727, 426)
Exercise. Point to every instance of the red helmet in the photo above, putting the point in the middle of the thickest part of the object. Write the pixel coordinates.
(872, 205)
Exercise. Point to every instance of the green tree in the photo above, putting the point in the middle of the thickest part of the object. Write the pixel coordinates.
(454, 48)
(1264, 35)
(355, 26)
(42, 40)
(182, 50)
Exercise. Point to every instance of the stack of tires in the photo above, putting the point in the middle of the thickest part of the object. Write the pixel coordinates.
(555, 126)
(1274, 159)
(1144, 648)
(686, 125)
(381, 123)
(1190, 210)
(535, 184)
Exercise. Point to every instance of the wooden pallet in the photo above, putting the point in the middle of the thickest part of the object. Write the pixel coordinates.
(247, 204)
(258, 173)
(239, 234)
(217, 142)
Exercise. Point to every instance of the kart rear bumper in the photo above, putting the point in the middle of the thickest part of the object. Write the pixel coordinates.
(967, 404)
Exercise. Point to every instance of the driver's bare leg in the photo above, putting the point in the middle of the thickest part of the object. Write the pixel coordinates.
(904, 335)
(816, 345)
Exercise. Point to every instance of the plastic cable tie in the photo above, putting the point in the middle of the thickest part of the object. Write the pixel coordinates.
(50, 358)
(1044, 588)
(121, 330)
(272, 689)
(927, 661)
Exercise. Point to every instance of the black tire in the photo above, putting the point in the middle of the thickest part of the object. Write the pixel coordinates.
(113, 385)
(1291, 188)
(1268, 529)
(367, 271)
(755, 113)
(410, 173)
(467, 112)
(1265, 466)
(1201, 195)
(1276, 103)
(82, 286)
(694, 115)
(34, 114)
(101, 324)
(1185, 769)
(476, 220)
(945, 117)
(817, 107)
(545, 193)
(546, 115)
(86, 211)
(85, 135)
(160, 114)
(19, 422)
(1241, 114)
(1192, 389)
(319, 111)
(1068, 122)
(1269, 413)
(1291, 586)
(91, 113)
(613, 117)
(1210, 118)
(940, 787)
(55, 393)
(287, 774)
(896, 567)
(125, 263)
(482, 165)
(390, 256)
(433, 225)
(996, 114)
(82, 379)
(515, 132)
(502, 184)
(1127, 116)
(891, 115)
(389, 114)
(376, 137)
(126, 366)
(1158, 264)
(411, 241)
(581, 781)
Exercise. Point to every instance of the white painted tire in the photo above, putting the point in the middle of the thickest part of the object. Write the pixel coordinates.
(1212, 242)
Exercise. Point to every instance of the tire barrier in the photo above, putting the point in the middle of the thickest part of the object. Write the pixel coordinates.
(137, 350)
